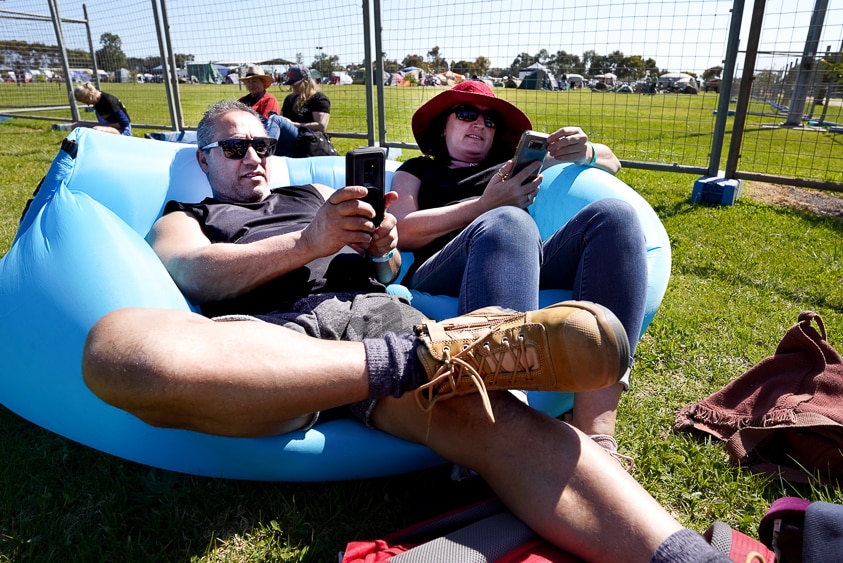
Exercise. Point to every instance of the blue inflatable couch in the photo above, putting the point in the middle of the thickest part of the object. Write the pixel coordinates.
(81, 252)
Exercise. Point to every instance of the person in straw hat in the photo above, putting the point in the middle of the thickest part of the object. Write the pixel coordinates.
(460, 210)
(257, 81)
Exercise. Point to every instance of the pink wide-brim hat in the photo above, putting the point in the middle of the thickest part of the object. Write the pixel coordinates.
(514, 121)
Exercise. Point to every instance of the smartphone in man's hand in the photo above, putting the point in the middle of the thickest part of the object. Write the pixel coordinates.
(366, 166)
(532, 147)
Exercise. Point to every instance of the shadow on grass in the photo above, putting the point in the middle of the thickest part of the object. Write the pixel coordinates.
(62, 501)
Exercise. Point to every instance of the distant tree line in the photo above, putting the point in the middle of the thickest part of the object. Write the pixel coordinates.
(589, 64)
(110, 57)
(21, 54)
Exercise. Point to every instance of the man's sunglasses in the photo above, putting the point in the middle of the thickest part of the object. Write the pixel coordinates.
(236, 148)
(470, 113)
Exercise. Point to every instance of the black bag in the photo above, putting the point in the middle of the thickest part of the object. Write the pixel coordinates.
(313, 143)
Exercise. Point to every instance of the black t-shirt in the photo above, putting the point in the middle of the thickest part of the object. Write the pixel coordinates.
(285, 210)
(318, 103)
(109, 108)
(441, 186)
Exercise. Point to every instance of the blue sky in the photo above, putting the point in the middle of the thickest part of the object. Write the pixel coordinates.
(681, 35)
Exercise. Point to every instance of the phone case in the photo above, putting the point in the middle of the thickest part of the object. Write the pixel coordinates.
(531, 147)
(366, 166)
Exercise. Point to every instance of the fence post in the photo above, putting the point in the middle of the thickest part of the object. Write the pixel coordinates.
(379, 75)
(367, 73)
(91, 46)
(54, 10)
(809, 56)
(165, 67)
(745, 92)
(165, 24)
(726, 88)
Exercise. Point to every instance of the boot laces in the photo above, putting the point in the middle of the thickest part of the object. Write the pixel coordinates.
(609, 444)
(468, 366)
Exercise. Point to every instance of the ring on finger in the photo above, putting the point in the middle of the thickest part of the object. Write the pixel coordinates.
(501, 175)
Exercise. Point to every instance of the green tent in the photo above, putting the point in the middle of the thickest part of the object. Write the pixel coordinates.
(207, 73)
(538, 80)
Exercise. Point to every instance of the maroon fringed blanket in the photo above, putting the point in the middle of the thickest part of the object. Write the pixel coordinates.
(785, 414)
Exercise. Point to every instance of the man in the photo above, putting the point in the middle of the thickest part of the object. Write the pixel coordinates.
(323, 348)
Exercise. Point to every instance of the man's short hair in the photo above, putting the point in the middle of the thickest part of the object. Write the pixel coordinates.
(205, 129)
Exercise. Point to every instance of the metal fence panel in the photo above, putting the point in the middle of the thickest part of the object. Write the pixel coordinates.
(630, 41)
(790, 137)
(617, 47)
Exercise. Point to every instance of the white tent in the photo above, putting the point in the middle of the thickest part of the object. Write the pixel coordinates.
(672, 77)
(608, 79)
(410, 70)
(676, 80)
(340, 77)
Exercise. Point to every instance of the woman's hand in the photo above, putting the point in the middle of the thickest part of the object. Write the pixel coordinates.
(516, 190)
(569, 144)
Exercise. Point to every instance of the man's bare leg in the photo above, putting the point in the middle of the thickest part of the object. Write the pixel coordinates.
(559, 482)
(164, 367)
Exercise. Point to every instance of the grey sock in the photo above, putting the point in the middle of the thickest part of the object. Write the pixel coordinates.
(687, 546)
(393, 365)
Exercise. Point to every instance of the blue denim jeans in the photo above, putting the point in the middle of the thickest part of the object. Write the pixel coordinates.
(500, 259)
(285, 131)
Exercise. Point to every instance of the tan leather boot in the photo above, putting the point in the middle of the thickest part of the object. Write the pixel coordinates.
(571, 346)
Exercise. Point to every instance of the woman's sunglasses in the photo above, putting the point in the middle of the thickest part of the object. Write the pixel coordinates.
(236, 148)
(471, 113)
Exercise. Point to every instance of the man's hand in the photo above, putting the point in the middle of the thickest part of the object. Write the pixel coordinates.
(345, 219)
(385, 237)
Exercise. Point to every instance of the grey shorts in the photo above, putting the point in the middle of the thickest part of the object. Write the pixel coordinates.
(343, 316)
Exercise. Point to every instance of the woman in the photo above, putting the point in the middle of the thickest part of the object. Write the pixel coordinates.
(461, 213)
(305, 109)
(112, 116)
(257, 81)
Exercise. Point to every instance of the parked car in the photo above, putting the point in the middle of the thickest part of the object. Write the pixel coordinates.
(712, 85)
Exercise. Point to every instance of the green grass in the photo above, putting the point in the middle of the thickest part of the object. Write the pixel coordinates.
(741, 275)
